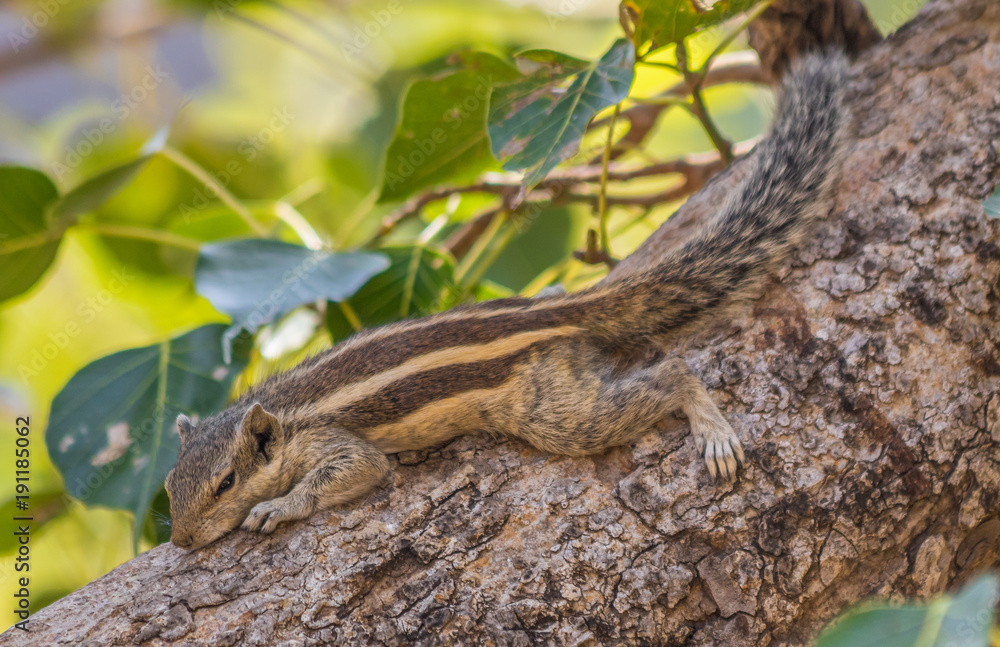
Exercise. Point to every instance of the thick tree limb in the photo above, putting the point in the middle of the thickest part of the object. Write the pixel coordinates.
(866, 387)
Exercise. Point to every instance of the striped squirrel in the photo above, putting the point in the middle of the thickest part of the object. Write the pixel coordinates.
(538, 369)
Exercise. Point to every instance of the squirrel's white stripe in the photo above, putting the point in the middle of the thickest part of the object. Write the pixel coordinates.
(466, 354)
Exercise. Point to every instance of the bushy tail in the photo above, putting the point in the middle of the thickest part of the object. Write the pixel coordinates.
(791, 173)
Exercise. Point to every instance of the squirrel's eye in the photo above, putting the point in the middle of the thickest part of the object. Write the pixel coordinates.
(226, 484)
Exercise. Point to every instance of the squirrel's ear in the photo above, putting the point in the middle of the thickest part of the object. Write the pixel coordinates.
(184, 427)
(263, 430)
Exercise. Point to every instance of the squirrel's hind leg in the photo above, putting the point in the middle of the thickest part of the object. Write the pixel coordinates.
(576, 407)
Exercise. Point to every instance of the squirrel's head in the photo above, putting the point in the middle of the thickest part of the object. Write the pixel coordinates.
(227, 464)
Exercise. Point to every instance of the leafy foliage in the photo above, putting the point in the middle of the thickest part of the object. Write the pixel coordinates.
(442, 131)
(179, 220)
(26, 246)
(965, 619)
(112, 431)
(91, 194)
(256, 281)
(538, 120)
(416, 282)
(664, 22)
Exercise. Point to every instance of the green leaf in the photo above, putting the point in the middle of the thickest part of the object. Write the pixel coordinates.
(538, 120)
(257, 280)
(94, 192)
(992, 205)
(27, 243)
(965, 619)
(663, 22)
(214, 222)
(414, 285)
(156, 528)
(111, 430)
(441, 134)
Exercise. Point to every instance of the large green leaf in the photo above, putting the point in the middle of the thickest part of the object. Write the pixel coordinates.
(111, 430)
(256, 280)
(538, 120)
(965, 619)
(27, 243)
(95, 191)
(416, 281)
(662, 22)
(991, 205)
(441, 134)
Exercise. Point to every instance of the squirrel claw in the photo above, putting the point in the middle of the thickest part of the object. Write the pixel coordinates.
(263, 518)
(723, 457)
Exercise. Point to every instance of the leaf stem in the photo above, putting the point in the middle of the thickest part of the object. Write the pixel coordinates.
(602, 199)
(930, 630)
(697, 107)
(478, 249)
(350, 315)
(203, 176)
(36, 239)
(291, 217)
(663, 64)
(141, 233)
(411, 279)
(475, 275)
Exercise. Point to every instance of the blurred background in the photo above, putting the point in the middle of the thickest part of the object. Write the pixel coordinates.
(279, 101)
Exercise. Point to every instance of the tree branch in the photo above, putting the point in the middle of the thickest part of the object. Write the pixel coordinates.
(695, 170)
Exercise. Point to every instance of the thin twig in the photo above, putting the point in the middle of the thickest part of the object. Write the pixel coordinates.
(460, 242)
(731, 67)
(698, 109)
(752, 15)
(602, 202)
(694, 167)
(196, 171)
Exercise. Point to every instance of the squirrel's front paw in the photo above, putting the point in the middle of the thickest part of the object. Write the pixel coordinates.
(266, 516)
(721, 449)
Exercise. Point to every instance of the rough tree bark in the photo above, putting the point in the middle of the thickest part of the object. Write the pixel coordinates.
(866, 386)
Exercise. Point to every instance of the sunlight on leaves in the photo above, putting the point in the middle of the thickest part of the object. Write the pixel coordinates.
(416, 281)
(441, 135)
(663, 22)
(256, 281)
(27, 243)
(538, 121)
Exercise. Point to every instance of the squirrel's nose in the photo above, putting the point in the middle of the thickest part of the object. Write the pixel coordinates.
(183, 542)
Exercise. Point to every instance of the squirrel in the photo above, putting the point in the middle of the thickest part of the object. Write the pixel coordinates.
(540, 369)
